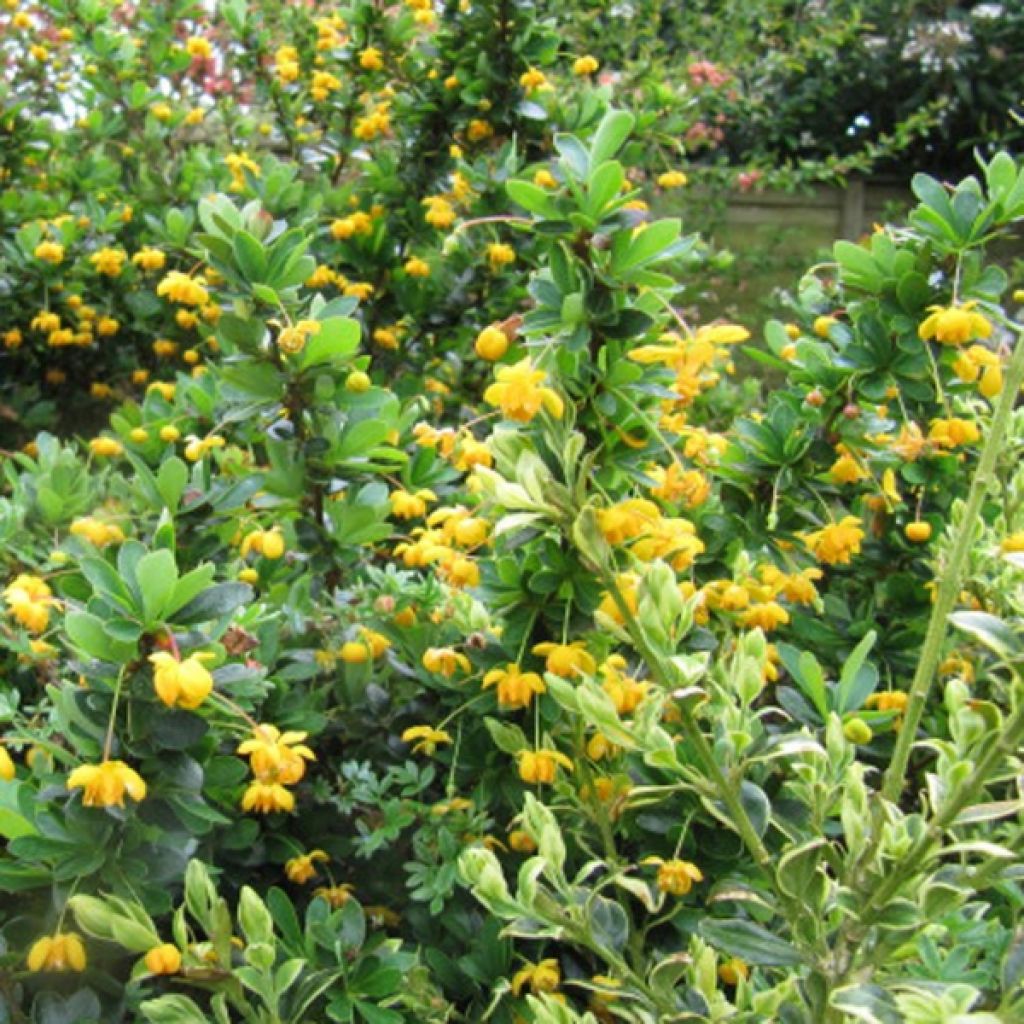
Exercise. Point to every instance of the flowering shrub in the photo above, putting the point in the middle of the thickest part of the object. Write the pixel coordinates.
(451, 637)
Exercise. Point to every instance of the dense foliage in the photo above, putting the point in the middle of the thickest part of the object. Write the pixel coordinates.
(415, 619)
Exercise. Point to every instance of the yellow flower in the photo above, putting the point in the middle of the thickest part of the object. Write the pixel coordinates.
(293, 338)
(520, 841)
(515, 687)
(676, 876)
(835, 543)
(478, 130)
(954, 325)
(106, 447)
(585, 65)
(500, 255)
(267, 797)
(765, 615)
(7, 770)
(415, 267)
(491, 343)
(541, 977)
(520, 393)
(410, 506)
(533, 79)
(181, 288)
(918, 532)
(163, 959)
(335, 895)
(1013, 543)
(672, 179)
(302, 868)
(275, 756)
(370, 59)
(953, 432)
(427, 738)
(49, 252)
(440, 213)
(29, 600)
(847, 470)
(730, 972)
(105, 784)
(63, 951)
(268, 543)
(543, 178)
(183, 684)
(445, 660)
(567, 660)
(540, 766)
(109, 262)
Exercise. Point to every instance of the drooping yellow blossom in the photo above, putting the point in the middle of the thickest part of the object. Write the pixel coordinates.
(336, 895)
(181, 288)
(540, 766)
(835, 543)
(954, 325)
(445, 661)
(515, 687)
(163, 959)
(184, 684)
(62, 951)
(268, 543)
(540, 977)
(302, 868)
(97, 532)
(675, 876)
(105, 784)
(29, 600)
(425, 738)
(585, 65)
(567, 660)
(953, 432)
(520, 393)
(410, 506)
(275, 756)
(267, 797)
(292, 339)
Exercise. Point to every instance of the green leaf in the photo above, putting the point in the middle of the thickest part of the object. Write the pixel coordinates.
(250, 256)
(86, 633)
(171, 479)
(530, 197)
(857, 681)
(654, 243)
(858, 265)
(605, 185)
(611, 133)
(189, 586)
(156, 575)
(214, 603)
(987, 629)
(338, 338)
(750, 942)
(574, 156)
(173, 1009)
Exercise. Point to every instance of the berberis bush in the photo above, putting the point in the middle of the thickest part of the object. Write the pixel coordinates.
(431, 627)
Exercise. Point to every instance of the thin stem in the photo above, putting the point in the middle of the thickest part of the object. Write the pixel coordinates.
(949, 585)
(108, 741)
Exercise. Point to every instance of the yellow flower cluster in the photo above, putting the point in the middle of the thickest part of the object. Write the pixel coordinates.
(277, 760)
(520, 392)
(181, 683)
